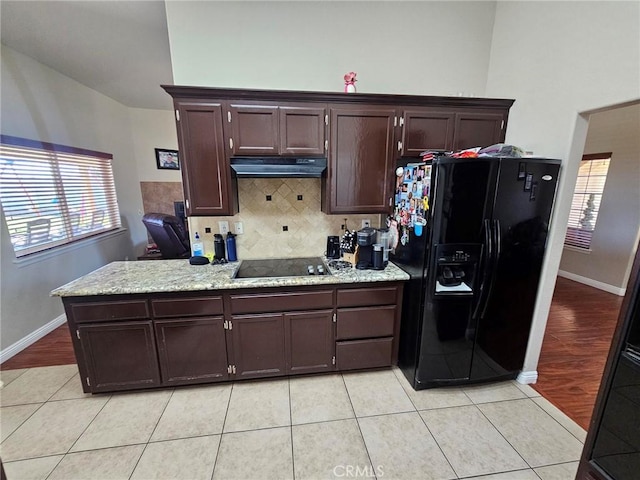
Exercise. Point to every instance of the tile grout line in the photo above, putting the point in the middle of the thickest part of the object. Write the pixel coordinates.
(24, 421)
(500, 473)
(56, 466)
(501, 434)
(88, 424)
(8, 370)
(152, 432)
(364, 442)
(64, 385)
(173, 391)
(438, 443)
(224, 422)
(293, 460)
(556, 420)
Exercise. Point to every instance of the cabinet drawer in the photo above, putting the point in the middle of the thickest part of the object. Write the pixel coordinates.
(362, 297)
(281, 302)
(364, 353)
(187, 307)
(365, 322)
(120, 310)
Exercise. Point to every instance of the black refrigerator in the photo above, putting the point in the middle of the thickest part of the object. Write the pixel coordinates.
(471, 233)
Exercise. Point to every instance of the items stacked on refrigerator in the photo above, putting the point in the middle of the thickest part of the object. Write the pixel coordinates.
(413, 184)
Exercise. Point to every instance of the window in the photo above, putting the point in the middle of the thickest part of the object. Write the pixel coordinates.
(52, 195)
(586, 199)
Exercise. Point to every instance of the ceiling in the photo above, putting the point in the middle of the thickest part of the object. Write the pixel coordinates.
(118, 48)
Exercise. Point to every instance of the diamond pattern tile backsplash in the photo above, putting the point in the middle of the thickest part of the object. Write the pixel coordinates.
(263, 221)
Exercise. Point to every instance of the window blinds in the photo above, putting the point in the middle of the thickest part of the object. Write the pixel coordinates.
(54, 195)
(586, 201)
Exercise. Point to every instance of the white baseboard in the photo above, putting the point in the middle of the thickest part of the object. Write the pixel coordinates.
(33, 337)
(527, 377)
(593, 283)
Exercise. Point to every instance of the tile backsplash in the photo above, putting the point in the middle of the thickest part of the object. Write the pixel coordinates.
(263, 221)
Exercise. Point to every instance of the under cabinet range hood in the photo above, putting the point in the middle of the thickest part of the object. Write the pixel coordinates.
(270, 167)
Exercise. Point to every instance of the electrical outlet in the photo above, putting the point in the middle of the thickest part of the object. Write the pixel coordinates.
(239, 228)
(223, 226)
(366, 222)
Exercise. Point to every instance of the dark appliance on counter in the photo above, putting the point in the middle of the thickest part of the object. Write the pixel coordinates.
(365, 239)
(218, 247)
(612, 448)
(471, 233)
(377, 262)
(333, 247)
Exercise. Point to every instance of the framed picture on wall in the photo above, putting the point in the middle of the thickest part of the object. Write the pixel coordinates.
(167, 159)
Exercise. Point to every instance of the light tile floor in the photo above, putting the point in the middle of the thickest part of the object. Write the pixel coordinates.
(352, 425)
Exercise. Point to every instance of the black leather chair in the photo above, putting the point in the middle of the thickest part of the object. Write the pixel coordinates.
(169, 234)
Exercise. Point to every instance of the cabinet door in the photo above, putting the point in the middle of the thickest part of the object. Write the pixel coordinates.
(302, 131)
(258, 345)
(478, 130)
(119, 356)
(254, 130)
(206, 175)
(310, 341)
(361, 154)
(426, 129)
(191, 350)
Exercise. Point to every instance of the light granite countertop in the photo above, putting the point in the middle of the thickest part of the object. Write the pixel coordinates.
(179, 276)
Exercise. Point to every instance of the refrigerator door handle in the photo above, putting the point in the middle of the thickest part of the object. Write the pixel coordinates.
(497, 235)
(487, 255)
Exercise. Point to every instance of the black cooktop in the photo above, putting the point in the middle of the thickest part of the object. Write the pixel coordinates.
(282, 267)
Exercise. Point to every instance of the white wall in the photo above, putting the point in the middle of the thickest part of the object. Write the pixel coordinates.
(151, 129)
(39, 103)
(615, 238)
(429, 48)
(558, 59)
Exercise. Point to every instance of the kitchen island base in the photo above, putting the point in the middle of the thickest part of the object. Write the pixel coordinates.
(137, 341)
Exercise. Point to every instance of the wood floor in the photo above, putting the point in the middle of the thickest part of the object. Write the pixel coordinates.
(53, 349)
(576, 343)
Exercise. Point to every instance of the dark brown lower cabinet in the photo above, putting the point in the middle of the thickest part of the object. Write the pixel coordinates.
(203, 337)
(282, 343)
(119, 355)
(192, 350)
(373, 352)
(258, 345)
(310, 341)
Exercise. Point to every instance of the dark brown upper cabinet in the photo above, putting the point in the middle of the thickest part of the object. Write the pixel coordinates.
(285, 129)
(361, 156)
(254, 130)
(206, 175)
(426, 129)
(478, 129)
(302, 131)
(368, 132)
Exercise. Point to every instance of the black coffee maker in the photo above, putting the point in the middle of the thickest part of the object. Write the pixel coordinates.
(365, 239)
(333, 247)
